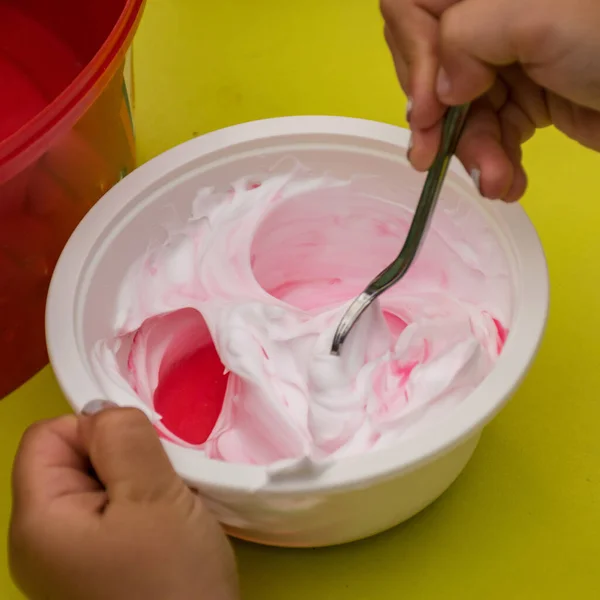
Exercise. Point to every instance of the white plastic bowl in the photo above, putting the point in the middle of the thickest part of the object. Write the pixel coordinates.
(358, 496)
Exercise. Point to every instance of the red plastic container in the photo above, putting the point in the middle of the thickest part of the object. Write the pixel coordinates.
(66, 136)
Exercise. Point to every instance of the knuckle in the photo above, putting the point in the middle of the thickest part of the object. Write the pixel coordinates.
(387, 35)
(388, 9)
(23, 538)
(38, 432)
(33, 433)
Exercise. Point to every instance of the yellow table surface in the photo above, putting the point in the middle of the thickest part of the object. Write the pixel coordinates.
(523, 521)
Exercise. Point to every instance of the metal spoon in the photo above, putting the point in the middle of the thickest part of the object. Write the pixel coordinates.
(453, 125)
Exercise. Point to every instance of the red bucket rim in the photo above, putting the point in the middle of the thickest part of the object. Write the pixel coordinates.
(37, 129)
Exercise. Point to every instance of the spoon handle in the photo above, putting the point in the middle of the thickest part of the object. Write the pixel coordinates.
(454, 122)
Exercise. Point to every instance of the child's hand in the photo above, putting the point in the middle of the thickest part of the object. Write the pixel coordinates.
(532, 62)
(132, 531)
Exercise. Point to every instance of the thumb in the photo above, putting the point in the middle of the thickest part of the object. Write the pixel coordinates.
(476, 38)
(126, 453)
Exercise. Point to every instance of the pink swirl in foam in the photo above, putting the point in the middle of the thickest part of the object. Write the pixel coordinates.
(264, 273)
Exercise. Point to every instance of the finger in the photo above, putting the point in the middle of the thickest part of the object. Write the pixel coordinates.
(128, 457)
(475, 38)
(515, 125)
(577, 122)
(399, 64)
(51, 464)
(482, 154)
(516, 128)
(497, 96)
(527, 95)
(519, 181)
(424, 145)
(414, 31)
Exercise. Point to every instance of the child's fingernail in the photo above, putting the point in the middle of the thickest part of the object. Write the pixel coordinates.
(476, 177)
(95, 406)
(443, 85)
(409, 106)
(409, 147)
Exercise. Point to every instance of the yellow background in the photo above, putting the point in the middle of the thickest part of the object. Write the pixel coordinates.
(523, 521)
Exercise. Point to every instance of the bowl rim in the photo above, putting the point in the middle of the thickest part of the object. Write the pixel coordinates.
(465, 421)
